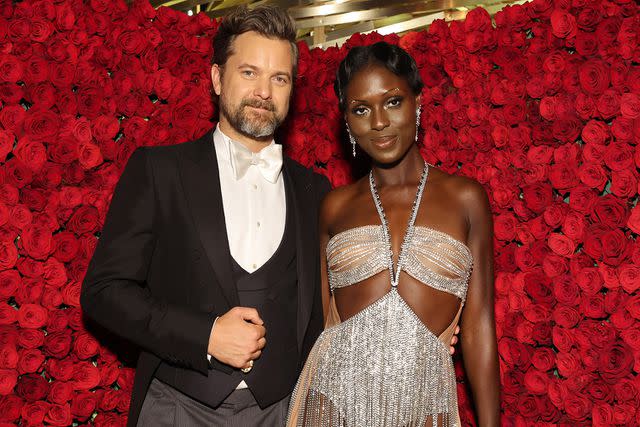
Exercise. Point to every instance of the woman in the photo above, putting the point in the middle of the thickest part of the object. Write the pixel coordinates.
(393, 293)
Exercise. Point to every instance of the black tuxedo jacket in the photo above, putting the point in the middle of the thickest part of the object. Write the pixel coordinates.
(161, 272)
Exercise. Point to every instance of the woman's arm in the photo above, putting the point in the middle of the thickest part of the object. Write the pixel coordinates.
(478, 333)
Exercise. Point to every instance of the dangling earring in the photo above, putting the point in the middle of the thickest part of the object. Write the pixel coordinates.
(418, 113)
(352, 140)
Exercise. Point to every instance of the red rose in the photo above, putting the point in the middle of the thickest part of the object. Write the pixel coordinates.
(109, 399)
(10, 407)
(71, 293)
(610, 211)
(89, 155)
(30, 338)
(622, 129)
(602, 415)
(624, 183)
(569, 364)
(624, 414)
(630, 105)
(60, 392)
(61, 370)
(563, 176)
(595, 132)
(617, 362)
(633, 222)
(589, 280)
(11, 69)
(33, 413)
(109, 420)
(90, 101)
(32, 387)
(565, 316)
(537, 196)
(32, 316)
(109, 373)
(593, 175)
(8, 314)
(30, 361)
(619, 156)
(37, 242)
(505, 226)
(83, 405)
(563, 24)
(84, 220)
(561, 244)
(8, 356)
(582, 199)
(594, 77)
(554, 265)
(615, 247)
(7, 139)
(8, 380)
(59, 415)
(58, 344)
(629, 277)
(562, 339)
(85, 346)
(85, 376)
(577, 407)
(58, 321)
(608, 104)
(105, 128)
(592, 306)
(625, 390)
(8, 255)
(17, 173)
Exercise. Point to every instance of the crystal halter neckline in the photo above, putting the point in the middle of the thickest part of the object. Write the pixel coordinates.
(395, 275)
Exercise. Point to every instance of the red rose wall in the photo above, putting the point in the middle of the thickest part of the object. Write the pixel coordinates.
(543, 108)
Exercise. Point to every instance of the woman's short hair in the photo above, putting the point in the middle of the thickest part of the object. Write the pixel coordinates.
(269, 21)
(393, 58)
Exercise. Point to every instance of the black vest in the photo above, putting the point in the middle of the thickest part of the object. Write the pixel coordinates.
(273, 291)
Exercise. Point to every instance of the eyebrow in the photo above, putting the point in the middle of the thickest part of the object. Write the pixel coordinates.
(353, 101)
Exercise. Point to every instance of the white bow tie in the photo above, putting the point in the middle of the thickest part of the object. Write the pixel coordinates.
(268, 160)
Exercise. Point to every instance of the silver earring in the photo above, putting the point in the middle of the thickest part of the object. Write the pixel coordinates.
(418, 113)
(352, 140)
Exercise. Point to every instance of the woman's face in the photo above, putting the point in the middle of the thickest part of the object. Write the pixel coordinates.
(381, 113)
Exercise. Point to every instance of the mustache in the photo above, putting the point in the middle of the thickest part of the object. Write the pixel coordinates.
(257, 103)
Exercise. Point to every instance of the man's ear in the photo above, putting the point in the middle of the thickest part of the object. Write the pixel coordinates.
(216, 78)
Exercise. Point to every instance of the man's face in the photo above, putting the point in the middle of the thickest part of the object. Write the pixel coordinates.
(254, 86)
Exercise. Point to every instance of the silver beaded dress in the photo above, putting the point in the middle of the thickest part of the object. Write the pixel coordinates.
(383, 366)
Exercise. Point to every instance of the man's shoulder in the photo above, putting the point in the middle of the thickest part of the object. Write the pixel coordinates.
(306, 172)
(194, 148)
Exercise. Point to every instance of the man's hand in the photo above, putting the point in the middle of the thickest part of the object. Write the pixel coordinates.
(237, 337)
(454, 340)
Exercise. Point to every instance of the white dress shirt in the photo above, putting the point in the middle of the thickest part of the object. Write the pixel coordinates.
(254, 208)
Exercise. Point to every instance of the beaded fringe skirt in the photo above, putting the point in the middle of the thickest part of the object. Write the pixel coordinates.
(381, 367)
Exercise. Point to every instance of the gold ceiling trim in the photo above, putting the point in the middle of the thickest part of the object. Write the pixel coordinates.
(328, 23)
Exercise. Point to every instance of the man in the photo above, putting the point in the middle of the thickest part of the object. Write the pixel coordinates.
(208, 259)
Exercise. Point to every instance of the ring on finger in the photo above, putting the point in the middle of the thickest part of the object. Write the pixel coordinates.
(248, 368)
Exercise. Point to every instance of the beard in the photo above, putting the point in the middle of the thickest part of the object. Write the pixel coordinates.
(251, 123)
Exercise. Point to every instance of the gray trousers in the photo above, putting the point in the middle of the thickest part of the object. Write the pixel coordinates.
(164, 406)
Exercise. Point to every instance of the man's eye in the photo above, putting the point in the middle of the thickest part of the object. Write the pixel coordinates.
(248, 73)
(282, 80)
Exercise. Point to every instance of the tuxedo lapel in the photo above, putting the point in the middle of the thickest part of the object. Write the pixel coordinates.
(201, 179)
(305, 253)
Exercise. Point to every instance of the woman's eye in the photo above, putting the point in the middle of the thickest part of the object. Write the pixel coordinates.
(359, 111)
(394, 102)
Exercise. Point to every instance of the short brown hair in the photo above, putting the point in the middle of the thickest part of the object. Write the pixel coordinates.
(269, 21)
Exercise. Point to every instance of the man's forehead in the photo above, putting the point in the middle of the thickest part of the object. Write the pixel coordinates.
(256, 49)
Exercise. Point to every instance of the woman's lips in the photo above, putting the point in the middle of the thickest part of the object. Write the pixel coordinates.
(384, 141)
